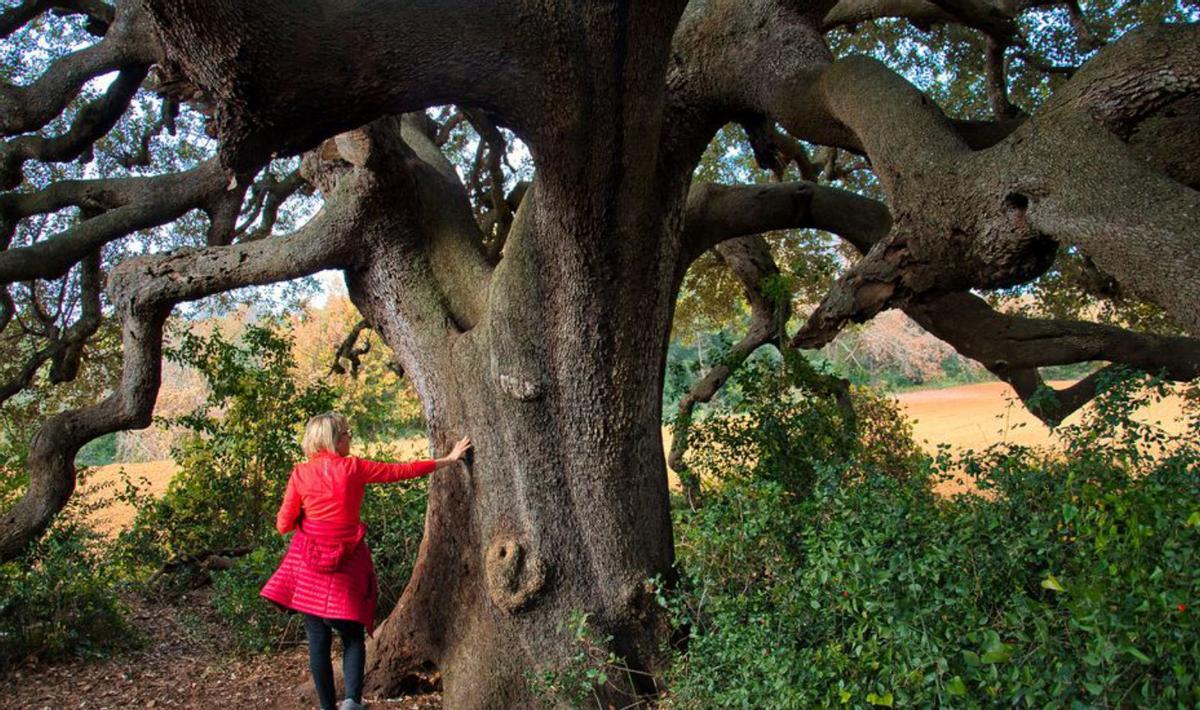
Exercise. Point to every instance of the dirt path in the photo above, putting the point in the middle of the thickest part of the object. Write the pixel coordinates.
(185, 664)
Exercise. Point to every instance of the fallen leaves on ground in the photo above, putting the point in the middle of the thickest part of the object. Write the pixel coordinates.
(185, 663)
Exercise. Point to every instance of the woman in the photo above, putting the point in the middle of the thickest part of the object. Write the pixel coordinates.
(327, 573)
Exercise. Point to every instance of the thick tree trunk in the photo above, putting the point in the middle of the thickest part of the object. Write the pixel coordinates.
(564, 505)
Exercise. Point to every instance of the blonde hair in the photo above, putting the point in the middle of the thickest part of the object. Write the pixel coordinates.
(323, 432)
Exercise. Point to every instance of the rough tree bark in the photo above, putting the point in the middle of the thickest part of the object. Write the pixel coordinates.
(550, 352)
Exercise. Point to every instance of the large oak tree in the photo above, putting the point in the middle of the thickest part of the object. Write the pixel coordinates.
(535, 316)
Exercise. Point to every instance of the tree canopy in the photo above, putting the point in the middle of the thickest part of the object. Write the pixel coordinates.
(518, 192)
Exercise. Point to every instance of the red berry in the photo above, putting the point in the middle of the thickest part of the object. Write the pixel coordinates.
(1181, 608)
(847, 594)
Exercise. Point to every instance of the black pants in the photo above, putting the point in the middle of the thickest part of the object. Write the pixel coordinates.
(354, 656)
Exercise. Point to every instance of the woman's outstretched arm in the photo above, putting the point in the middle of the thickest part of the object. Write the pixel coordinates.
(380, 472)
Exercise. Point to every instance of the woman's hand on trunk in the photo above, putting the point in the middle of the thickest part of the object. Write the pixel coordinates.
(457, 453)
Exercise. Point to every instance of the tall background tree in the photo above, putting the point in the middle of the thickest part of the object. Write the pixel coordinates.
(958, 149)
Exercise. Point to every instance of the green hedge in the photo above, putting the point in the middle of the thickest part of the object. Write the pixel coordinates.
(60, 597)
(1071, 580)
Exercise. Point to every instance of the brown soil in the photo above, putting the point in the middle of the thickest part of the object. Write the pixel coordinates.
(185, 663)
(978, 416)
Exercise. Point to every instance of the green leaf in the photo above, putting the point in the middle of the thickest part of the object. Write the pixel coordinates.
(844, 696)
(1093, 688)
(998, 652)
(956, 686)
(886, 700)
(1193, 520)
(1137, 654)
(1051, 582)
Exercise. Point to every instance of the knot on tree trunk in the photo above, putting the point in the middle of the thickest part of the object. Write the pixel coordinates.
(515, 574)
(519, 388)
(519, 378)
(1010, 251)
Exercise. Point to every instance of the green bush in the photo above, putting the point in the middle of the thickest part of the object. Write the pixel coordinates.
(792, 423)
(98, 452)
(1070, 581)
(233, 471)
(255, 623)
(395, 518)
(243, 443)
(60, 597)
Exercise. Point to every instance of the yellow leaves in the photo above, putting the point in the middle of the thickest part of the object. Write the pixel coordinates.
(1051, 582)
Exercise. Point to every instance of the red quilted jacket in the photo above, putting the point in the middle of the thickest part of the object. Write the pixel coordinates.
(327, 569)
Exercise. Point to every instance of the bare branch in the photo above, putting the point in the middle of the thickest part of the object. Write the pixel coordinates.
(7, 308)
(775, 150)
(267, 196)
(140, 157)
(1135, 78)
(444, 131)
(65, 347)
(750, 260)
(719, 212)
(996, 76)
(99, 14)
(143, 292)
(993, 21)
(1043, 66)
(1014, 347)
(351, 351)
(1084, 36)
(992, 218)
(920, 12)
(497, 148)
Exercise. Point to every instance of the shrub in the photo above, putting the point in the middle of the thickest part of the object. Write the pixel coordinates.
(98, 452)
(59, 598)
(1072, 581)
(255, 623)
(591, 669)
(395, 518)
(794, 422)
(243, 443)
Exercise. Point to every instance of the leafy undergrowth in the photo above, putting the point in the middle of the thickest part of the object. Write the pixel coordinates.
(1072, 579)
(122, 619)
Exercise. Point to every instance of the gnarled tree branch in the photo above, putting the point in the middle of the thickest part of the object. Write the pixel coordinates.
(1010, 346)
(100, 14)
(143, 291)
(127, 44)
(993, 218)
(92, 123)
(123, 205)
(750, 260)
